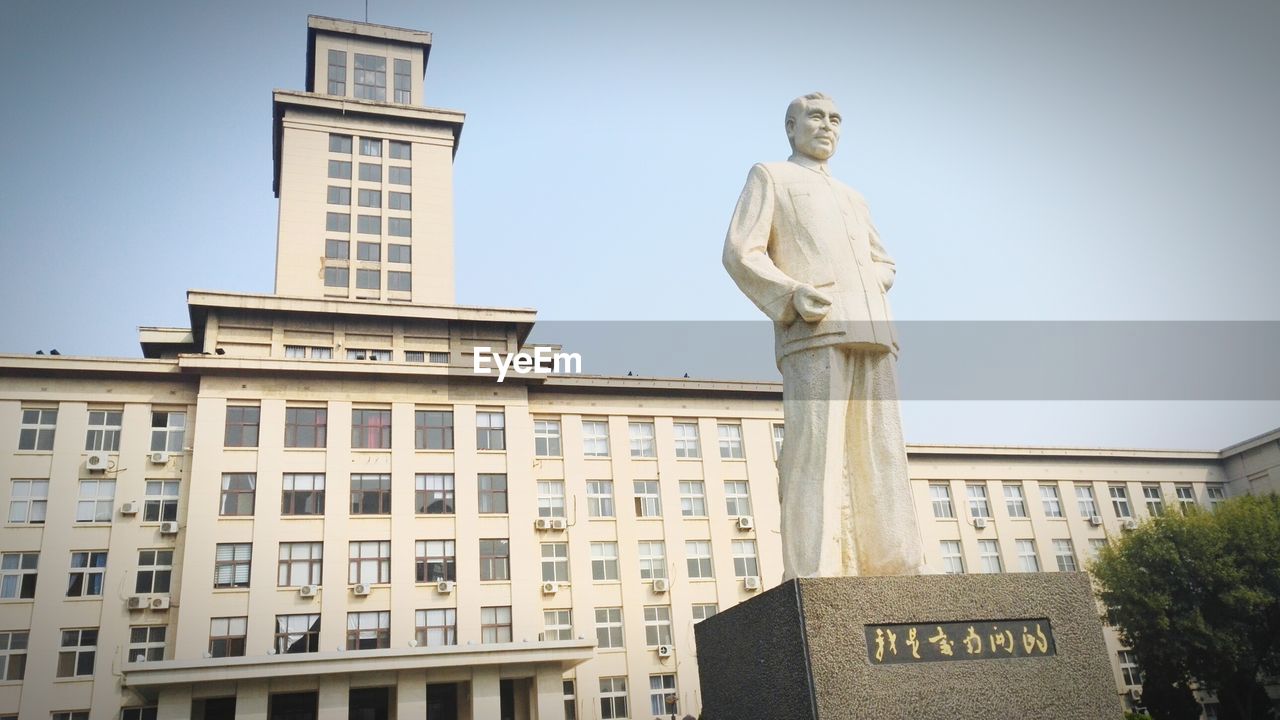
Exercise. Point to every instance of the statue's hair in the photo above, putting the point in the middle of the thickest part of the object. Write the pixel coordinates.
(797, 106)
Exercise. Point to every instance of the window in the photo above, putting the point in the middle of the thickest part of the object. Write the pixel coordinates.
(1096, 545)
(730, 441)
(1217, 495)
(1120, 501)
(613, 697)
(436, 628)
(368, 279)
(337, 222)
(744, 559)
(1155, 502)
(940, 498)
(1085, 502)
(340, 169)
(661, 688)
(557, 625)
(495, 624)
(435, 561)
(315, 353)
(28, 501)
(599, 498)
(369, 561)
(1186, 496)
(227, 637)
(399, 227)
(1052, 503)
(370, 493)
(703, 611)
(96, 500)
(400, 201)
(648, 503)
(370, 172)
(371, 147)
(604, 561)
(401, 281)
(438, 358)
(139, 713)
(167, 431)
(491, 431)
(697, 555)
(1027, 559)
(155, 569)
(551, 498)
(595, 438)
(693, 498)
(495, 559)
(75, 658)
(338, 195)
(978, 500)
(238, 491)
(657, 625)
(69, 715)
(368, 198)
(570, 701)
(369, 224)
(555, 562)
(336, 277)
(369, 354)
(1065, 554)
(399, 253)
(13, 654)
(989, 556)
(1129, 670)
(1014, 502)
(609, 628)
(371, 429)
(297, 634)
(104, 431)
(302, 494)
(546, 438)
(433, 494)
(87, 570)
(399, 175)
(242, 426)
(161, 504)
(368, 630)
(368, 251)
(737, 498)
(334, 250)
(401, 96)
(686, 436)
(371, 77)
(492, 488)
(401, 150)
(952, 560)
(779, 431)
(642, 439)
(306, 427)
(414, 356)
(231, 565)
(36, 430)
(18, 575)
(338, 84)
(146, 643)
(340, 143)
(301, 563)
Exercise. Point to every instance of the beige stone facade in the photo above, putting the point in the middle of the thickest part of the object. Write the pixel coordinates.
(307, 501)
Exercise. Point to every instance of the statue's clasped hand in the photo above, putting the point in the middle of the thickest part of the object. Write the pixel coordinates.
(811, 303)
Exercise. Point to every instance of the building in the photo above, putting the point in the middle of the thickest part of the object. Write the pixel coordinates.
(308, 504)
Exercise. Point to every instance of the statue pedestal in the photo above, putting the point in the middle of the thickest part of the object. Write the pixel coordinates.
(1025, 645)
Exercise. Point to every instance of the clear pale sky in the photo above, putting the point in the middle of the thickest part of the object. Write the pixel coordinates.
(1029, 161)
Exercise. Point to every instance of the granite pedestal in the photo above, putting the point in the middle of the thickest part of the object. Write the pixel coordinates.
(949, 647)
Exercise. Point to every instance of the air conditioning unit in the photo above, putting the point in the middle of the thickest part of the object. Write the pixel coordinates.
(1095, 520)
(665, 651)
(550, 588)
(661, 585)
(159, 457)
(360, 589)
(746, 523)
(558, 524)
(130, 508)
(542, 524)
(308, 590)
(97, 462)
(444, 587)
(1135, 694)
(169, 528)
(980, 522)
(751, 583)
(1129, 524)
(160, 603)
(136, 602)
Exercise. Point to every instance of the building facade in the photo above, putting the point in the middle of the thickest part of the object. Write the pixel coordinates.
(308, 505)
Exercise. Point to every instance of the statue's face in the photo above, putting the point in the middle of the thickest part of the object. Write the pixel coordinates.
(815, 130)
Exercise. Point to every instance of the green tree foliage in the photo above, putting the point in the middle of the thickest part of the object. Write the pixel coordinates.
(1197, 597)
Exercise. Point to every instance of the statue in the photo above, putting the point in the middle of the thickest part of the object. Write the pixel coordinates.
(802, 247)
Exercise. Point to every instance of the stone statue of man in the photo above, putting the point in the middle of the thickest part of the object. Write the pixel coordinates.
(802, 247)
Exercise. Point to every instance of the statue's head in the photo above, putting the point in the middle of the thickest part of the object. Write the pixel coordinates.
(813, 126)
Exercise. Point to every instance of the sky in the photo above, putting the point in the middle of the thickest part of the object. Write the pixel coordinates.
(1036, 162)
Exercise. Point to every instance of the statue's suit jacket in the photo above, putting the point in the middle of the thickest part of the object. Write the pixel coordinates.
(798, 226)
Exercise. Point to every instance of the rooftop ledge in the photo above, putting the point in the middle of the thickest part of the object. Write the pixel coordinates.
(371, 107)
(568, 653)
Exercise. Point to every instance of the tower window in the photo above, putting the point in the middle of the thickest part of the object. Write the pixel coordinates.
(371, 77)
(337, 72)
(402, 82)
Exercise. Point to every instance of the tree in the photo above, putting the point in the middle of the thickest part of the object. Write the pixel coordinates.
(1197, 598)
